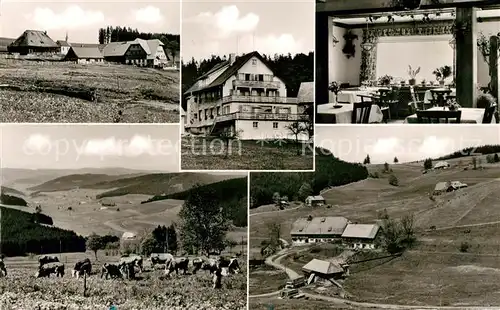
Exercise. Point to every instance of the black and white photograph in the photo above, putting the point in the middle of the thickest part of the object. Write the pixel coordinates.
(90, 61)
(99, 217)
(390, 219)
(247, 85)
(407, 61)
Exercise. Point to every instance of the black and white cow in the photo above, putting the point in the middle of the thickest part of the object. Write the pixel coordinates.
(176, 264)
(112, 271)
(45, 259)
(3, 270)
(197, 264)
(160, 258)
(213, 264)
(47, 269)
(127, 269)
(134, 259)
(82, 267)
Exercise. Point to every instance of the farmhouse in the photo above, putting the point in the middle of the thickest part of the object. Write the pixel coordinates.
(361, 236)
(129, 236)
(441, 165)
(242, 95)
(305, 97)
(443, 187)
(64, 47)
(139, 52)
(84, 55)
(34, 42)
(313, 201)
(317, 229)
(320, 270)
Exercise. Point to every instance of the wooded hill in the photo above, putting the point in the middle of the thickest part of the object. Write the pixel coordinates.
(292, 69)
(330, 171)
(230, 194)
(472, 151)
(120, 34)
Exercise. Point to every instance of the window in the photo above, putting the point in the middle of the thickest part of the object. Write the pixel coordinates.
(275, 125)
(247, 77)
(195, 115)
(255, 124)
(261, 77)
(254, 62)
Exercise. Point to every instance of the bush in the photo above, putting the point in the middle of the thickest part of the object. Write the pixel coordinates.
(393, 180)
(464, 247)
(428, 164)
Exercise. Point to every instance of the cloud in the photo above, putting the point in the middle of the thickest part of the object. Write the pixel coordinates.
(228, 21)
(136, 146)
(270, 44)
(386, 146)
(148, 15)
(71, 18)
(38, 142)
(433, 145)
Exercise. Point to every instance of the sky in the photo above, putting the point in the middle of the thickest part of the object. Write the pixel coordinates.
(224, 27)
(82, 19)
(141, 147)
(406, 142)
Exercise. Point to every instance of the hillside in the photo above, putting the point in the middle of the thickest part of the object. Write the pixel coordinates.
(231, 194)
(330, 171)
(485, 149)
(10, 196)
(21, 234)
(10, 191)
(149, 184)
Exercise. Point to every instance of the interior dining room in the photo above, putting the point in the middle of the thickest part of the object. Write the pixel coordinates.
(407, 61)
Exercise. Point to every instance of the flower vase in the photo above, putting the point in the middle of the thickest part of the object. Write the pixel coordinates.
(441, 83)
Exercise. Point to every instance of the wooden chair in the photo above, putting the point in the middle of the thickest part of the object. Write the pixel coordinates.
(417, 104)
(364, 112)
(489, 112)
(439, 97)
(438, 115)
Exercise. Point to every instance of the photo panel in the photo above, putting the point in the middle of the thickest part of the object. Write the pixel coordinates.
(90, 61)
(407, 62)
(99, 217)
(388, 208)
(247, 85)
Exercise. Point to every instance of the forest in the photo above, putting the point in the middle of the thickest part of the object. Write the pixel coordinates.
(117, 34)
(330, 171)
(230, 194)
(471, 151)
(12, 200)
(292, 69)
(24, 233)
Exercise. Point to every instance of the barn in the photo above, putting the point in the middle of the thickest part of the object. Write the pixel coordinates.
(313, 201)
(321, 270)
(84, 55)
(441, 165)
(34, 42)
(361, 236)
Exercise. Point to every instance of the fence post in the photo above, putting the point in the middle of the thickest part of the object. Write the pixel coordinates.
(84, 284)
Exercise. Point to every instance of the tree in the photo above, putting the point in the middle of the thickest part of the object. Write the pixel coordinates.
(490, 159)
(428, 164)
(495, 158)
(296, 129)
(386, 167)
(203, 222)
(367, 160)
(276, 198)
(94, 243)
(408, 231)
(172, 238)
(102, 36)
(305, 191)
(393, 180)
(396, 160)
(149, 245)
(474, 162)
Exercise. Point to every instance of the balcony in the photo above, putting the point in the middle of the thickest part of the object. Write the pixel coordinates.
(261, 117)
(257, 84)
(259, 99)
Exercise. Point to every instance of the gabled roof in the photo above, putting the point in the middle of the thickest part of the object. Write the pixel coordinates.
(115, 49)
(215, 68)
(62, 43)
(99, 46)
(315, 198)
(86, 52)
(322, 267)
(441, 164)
(34, 38)
(230, 71)
(332, 225)
(362, 231)
(441, 186)
(306, 92)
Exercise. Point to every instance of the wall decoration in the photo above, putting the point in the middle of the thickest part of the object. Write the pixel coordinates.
(349, 48)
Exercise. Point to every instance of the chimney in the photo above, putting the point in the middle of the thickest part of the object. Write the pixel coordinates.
(232, 58)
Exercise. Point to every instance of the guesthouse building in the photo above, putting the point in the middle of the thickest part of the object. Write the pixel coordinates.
(317, 229)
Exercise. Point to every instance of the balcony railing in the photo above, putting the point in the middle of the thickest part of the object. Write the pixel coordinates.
(259, 99)
(250, 116)
(257, 84)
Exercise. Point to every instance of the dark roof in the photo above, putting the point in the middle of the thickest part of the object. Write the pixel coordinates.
(231, 70)
(85, 52)
(62, 43)
(332, 225)
(34, 38)
(99, 46)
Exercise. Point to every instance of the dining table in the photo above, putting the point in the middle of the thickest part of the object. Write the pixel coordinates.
(442, 91)
(469, 116)
(332, 113)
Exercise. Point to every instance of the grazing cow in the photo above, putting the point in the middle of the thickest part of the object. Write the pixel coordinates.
(217, 279)
(197, 264)
(45, 259)
(160, 258)
(233, 266)
(128, 270)
(82, 267)
(46, 270)
(180, 263)
(212, 264)
(111, 270)
(134, 259)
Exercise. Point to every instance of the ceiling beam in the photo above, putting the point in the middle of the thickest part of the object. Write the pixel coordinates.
(349, 7)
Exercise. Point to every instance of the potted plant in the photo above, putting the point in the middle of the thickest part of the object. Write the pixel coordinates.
(334, 87)
(485, 100)
(442, 74)
(424, 82)
(385, 80)
(413, 74)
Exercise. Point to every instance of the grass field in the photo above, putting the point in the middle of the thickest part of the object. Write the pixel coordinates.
(20, 290)
(35, 91)
(439, 270)
(209, 154)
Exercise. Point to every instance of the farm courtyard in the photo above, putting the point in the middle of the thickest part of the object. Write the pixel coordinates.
(64, 92)
(455, 262)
